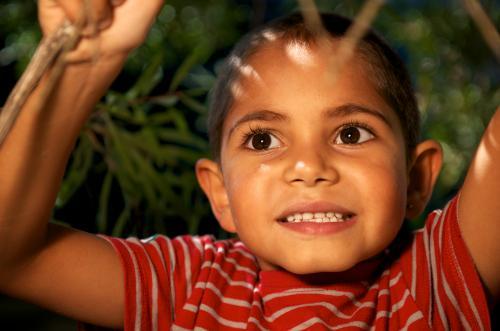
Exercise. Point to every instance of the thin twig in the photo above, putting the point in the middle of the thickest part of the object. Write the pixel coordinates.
(48, 51)
(312, 20)
(353, 35)
(484, 24)
(311, 16)
(57, 69)
(49, 56)
(361, 24)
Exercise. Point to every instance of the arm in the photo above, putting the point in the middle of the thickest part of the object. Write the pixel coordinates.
(68, 271)
(479, 208)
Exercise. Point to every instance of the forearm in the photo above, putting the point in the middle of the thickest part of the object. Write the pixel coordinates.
(479, 214)
(33, 156)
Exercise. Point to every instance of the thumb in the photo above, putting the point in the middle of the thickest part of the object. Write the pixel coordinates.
(91, 15)
(50, 16)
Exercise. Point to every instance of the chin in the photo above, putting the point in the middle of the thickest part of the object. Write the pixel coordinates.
(313, 267)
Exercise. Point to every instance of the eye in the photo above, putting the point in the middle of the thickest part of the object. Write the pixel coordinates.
(261, 141)
(353, 134)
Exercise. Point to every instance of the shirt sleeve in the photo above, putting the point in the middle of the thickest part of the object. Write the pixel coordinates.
(445, 280)
(158, 278)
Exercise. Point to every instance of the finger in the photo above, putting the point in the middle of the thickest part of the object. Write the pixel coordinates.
(137, 13)
(116, 3)
(50, 16)
(87, 51)
(91, 15)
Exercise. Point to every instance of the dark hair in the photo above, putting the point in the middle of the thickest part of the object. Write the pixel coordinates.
(390, 76)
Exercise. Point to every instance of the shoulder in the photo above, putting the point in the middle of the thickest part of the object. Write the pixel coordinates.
(183, 249)
(204, 245)
(440, 273)
(438, 246)
(164, 273)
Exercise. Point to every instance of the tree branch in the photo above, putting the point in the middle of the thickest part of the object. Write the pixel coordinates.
(484, 24)
(347, 45)
(48, 52)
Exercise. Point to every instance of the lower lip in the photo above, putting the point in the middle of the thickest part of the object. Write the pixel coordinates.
(313, 228)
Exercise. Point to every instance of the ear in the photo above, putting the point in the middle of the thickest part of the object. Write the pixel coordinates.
(424, 169)
(210, 178)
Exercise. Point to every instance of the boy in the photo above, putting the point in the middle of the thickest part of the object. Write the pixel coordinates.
(314, 174)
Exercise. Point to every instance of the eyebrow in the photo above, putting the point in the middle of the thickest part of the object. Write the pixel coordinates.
(335, 112)
(261, 115)
(352, 108)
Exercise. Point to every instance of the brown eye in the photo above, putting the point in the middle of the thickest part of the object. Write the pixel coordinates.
(262, 141)
(353, 135)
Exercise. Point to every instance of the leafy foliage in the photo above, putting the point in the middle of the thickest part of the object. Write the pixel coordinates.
(148, 137)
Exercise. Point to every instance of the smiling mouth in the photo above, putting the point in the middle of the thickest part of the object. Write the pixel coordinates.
(328, 217)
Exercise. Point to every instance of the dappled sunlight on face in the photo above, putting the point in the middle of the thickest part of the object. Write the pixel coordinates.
(245, 71)
(236, 90)
(264, 167)
(299, 53)
(302, 115)
(269, 35)
(300, 165)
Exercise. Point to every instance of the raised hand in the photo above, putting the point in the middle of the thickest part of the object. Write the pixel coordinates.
(68, 271)
(108, 27)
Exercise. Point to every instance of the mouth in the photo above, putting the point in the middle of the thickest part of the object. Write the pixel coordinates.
(317, 217)
(315, 212)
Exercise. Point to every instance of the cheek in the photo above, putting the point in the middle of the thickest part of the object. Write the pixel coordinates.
(391, 195)
(247, 182)
(383, 180)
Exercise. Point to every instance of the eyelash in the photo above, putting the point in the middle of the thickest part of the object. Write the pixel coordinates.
(252, 132)
(357, 125)
(259, 130)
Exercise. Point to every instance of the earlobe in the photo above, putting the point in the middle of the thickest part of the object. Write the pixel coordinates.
(211, 181)
(423, 173)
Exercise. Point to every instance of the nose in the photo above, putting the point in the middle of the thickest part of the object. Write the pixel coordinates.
(311, 167)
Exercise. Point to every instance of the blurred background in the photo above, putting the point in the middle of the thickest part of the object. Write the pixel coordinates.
(131, 172)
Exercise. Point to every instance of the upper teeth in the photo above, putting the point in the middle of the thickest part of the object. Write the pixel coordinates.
(317, 217)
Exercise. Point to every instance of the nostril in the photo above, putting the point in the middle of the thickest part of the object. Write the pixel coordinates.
(313, 172)
(309, 181)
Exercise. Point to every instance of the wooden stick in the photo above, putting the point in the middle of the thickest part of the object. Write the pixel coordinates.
(355, 33)
(311, 16)
(48, 51)
(484, 24)
(347, 45)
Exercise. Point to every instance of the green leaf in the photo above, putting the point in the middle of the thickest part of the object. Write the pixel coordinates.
(102, 214)
(177, 137)
(118, 151)
(167, 100)
(193, 104)
(118, 229)
(197, 56)
(125, 115)
(171, 116)
(147, 177)
(150, 77)
(78, 170)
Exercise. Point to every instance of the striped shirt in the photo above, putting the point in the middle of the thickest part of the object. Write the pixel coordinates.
(185, 283)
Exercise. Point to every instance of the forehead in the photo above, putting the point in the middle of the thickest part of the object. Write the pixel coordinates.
(296, 78)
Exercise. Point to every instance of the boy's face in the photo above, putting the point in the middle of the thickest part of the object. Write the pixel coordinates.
(295, 144)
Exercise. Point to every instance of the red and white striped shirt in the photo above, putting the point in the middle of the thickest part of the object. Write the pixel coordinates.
(197, 282)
